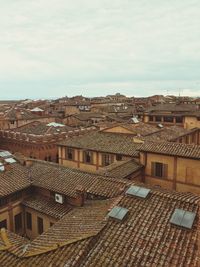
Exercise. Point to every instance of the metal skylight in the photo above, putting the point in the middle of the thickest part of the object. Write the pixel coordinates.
(5, 154)
(10, 160)
(118, 213)
(183, 218)
(138, 191)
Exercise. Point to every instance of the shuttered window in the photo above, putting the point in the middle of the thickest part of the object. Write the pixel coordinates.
(159, 169)
(29, 220)
(69, 153)
(18, 222)
(88, 157)
(40, 225)
(107, 159)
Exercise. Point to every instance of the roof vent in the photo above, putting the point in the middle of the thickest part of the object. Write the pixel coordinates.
(160, 125)
(135, 120)
(137, 140)
(138, 191)
(118, 213)
(183, 218)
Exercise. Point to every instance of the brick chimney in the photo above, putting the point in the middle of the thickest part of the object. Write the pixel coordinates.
(28, 162)
(80, 196)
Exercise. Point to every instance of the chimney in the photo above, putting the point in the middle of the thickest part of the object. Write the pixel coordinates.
(7, 166)
(28, 162)
(80, 196)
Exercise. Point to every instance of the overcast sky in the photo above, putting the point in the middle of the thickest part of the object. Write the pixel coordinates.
(53, 48)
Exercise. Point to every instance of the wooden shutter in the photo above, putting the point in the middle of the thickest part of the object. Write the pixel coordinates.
(91, 157)
(153, 167)
(111, 158)
(165, 170)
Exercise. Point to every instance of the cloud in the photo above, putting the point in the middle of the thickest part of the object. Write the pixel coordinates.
(98, 44)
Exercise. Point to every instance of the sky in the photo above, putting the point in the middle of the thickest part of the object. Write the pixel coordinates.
(54, 48)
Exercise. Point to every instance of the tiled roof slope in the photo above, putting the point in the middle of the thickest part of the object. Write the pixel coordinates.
(65, 180)
(105, 142)
(144, 238)
(141, 128)
(40, 128)
(47, 206)
(23, 114)
(121, 169)
(64, 244)
(167, 134)
(173, 107)
(79, 224)
(13, 179)
(88, 115)
(174, 149)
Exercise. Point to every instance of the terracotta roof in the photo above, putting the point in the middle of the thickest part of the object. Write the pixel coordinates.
(64, 180)
(139, 128)
(40, 128)
(167, 134)
(121, 169)
(174, 149)
(13, 179)
(146, 237)
(88, 116)
(78, 224)
(172, 107)
(104, 142)
(86, 237)
(47, 206)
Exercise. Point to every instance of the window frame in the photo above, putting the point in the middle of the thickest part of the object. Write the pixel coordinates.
(29, 220)
(40, 225)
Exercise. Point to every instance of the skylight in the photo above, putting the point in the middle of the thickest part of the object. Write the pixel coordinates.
(10, 160)
(183, 218)
(5, 154)
(138, 191)
(118, 213)
(54, 124)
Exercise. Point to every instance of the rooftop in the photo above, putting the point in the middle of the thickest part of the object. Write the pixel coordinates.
(121, 169)
(40, 128)
(105, 142)
(88, 237)
(174, 149)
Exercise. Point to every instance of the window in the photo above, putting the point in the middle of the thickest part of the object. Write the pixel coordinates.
(69, 153)
(107, 159)
(18, 222)
(158, 118)
(51, 224)
(40, 225)
(168, 119)
(3, 224)
(150, 118)
(49, 158)
(179, 119)
(159, 169)
(118, 157)
(29, 220)
(88, 157)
